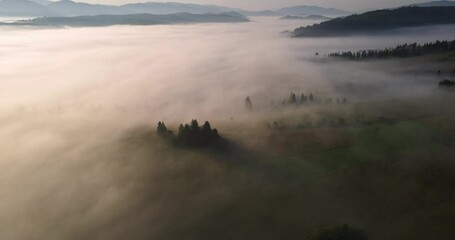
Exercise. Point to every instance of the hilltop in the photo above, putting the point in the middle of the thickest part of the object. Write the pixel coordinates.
(380, 21)
(311, 17)
(435, 4)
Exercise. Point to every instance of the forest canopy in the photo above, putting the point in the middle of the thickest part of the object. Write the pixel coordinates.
(190, 135)
(400, 51)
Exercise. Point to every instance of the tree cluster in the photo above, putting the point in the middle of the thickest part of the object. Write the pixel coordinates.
(400, 51)
(190, 135)
(447, 83)
(310, 98)
(302, 99)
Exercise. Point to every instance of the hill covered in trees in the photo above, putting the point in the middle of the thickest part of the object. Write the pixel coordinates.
(400, 51)
(380, 20)
(134, 19)
(191, 135)
(310, 17)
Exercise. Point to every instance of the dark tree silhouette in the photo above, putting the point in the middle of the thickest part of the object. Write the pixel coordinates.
(447, 83)
(191, 135)
(400, 51)
(248, 104)
(311, 97)
(293, 98)
(162, 130)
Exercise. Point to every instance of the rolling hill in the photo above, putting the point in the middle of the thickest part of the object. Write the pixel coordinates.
(312, 10)
(26, 8)
(173, 7)
(436, 4)
(132, 19)
(380, 21)
(310, 17)
(70, 8)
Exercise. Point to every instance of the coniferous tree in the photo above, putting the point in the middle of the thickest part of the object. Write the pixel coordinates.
(311, 97)
(161, 129)
(293, 98)
(248, 104)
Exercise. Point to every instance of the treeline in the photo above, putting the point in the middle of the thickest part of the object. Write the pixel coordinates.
(191, 135)
(400, 51)
(447, 83)
(301, 99)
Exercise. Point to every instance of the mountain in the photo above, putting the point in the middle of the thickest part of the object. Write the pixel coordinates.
(70, 8)
(436, 4)
(312, 10)
(172, 7)
(24, 8)
(132, 19)
(41, 2)
(264, 13)
(311, 17)
(379, 21)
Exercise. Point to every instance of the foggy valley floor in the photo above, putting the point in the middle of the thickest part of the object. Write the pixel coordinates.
(80, 157)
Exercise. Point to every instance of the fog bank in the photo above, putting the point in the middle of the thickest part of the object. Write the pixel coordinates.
(71, 99)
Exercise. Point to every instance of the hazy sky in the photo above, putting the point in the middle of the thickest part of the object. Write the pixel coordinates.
(265, 4)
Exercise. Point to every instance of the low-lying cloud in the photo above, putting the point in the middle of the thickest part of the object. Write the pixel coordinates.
(70, 99)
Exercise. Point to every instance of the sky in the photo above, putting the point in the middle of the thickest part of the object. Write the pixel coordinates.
(268, 4)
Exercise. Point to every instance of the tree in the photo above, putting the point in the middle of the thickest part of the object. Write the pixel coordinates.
(161, 129)
(293, 98)
(248, 104)
(311, 97)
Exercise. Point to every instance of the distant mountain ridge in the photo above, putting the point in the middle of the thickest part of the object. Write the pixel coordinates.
(380, 20)
(312, 10)
(435, 4)
(302, 10)
(310, 17)
(173, 7)
(70, 8)
(132, 19)
(26, 8)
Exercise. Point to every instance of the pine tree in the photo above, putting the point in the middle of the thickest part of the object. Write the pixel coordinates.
(248, 104)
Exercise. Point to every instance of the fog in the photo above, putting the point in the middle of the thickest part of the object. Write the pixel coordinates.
(73, 102)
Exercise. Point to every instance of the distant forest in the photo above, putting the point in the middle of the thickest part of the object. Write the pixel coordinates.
(380, 20)
(400, 51)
